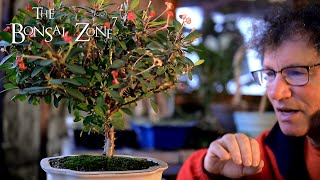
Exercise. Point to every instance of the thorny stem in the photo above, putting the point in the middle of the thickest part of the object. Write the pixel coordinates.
(67, 54)
(161, 14)
(34, 57)
(146, 70)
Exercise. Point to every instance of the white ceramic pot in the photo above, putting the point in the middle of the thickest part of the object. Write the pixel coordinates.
(152, 173)
(254, 123)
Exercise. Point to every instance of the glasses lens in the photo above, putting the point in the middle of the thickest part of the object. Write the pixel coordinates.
(296, 75)
(262, 77)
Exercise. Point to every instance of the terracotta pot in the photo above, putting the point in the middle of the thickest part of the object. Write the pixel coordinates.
(152, 173)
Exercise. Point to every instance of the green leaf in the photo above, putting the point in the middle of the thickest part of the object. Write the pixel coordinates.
(82, 106)
(48, 99)
(20, 97)
(100, 101)
(192, 36)
(99, 111)
(10, 86)
(154, 105)
(56, 101)
(26, 12)
(75, 51)
(160, 70)
(6, 58)
(156, 23)
(98, 76)
(117, 64)
(177, 25)
(76, 69)
(134, 4)
(115, 95)
(117, 115)
(55, 81)
(71, 81)
(199, 62)
(83, 81)
(127, 111)
(6, 37)
(123, 45)
(76, 93)
(33, 90)
(36, 71)
(45, 62)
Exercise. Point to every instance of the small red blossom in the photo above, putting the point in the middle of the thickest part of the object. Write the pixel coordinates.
(7, 29)
(107, 24)
(66, 37)
(182, 86)
(152, 13)
(22, 66)
(131, 16)
(28, 7)
(170, 13)
(115, 81)
(188, 20)
(32, 34)
(114, 74)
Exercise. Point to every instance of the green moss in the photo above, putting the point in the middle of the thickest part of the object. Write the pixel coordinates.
(100, 163)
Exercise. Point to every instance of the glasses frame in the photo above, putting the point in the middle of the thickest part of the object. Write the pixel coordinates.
(281, 70)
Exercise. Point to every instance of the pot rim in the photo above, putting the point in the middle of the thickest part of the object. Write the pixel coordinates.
(44, 163)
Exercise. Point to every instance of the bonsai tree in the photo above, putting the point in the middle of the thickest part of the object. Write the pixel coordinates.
(96, 61)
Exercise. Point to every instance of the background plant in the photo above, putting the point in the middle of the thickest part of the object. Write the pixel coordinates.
(103, 76)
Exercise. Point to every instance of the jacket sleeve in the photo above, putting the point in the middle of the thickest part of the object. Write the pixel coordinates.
(192, 169)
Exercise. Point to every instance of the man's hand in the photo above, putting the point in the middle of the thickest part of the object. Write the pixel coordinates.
(233, 156)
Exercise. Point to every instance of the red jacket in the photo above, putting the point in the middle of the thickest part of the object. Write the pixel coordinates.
(283, 156)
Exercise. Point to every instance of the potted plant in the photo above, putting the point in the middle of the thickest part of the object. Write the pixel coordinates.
(218, 48)
(96, 61)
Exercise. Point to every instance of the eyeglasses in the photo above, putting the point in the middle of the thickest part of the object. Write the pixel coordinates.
(295, 75)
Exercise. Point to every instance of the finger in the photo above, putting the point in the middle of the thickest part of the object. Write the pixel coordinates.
(230, 143)
(216, 149)
(253, 170)
(256, 156)
(245, 148)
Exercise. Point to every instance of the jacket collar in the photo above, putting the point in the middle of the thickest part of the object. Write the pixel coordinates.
(289, 153)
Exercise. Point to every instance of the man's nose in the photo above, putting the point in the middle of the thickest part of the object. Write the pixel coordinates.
(279, 89)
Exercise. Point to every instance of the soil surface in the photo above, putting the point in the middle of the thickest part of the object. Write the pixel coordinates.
(100, 163)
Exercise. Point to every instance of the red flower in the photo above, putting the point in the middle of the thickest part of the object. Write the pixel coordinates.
(7, 29)
(114, 74)
(182, 87)
(170, 13)
(131, 16)
(21, 64)
(152, 13)
(115, 81)
(66, 37)
(28, 7)
(107, 25)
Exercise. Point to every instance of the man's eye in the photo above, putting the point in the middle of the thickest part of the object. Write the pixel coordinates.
(296, 72)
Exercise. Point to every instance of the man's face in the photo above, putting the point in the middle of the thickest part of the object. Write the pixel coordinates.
(294, 105)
